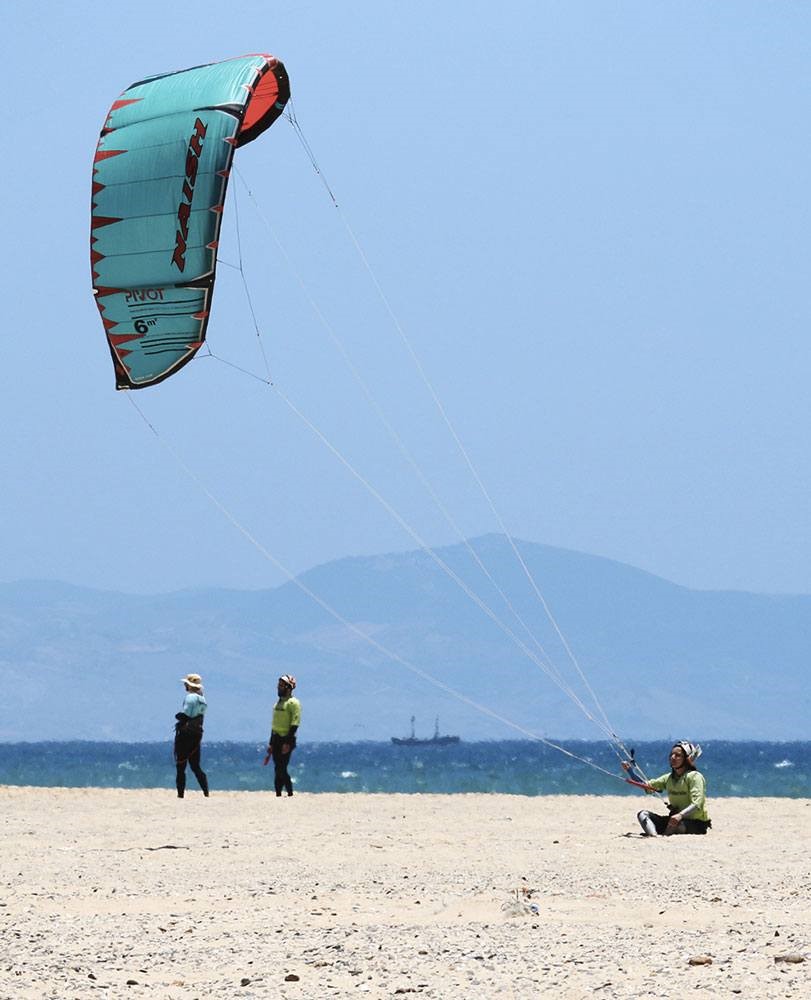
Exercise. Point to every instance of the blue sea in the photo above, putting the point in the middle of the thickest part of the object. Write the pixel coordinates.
(511, 767)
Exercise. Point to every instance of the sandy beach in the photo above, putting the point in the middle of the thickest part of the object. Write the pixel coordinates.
(139, 894)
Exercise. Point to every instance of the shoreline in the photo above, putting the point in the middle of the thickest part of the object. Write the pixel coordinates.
(192, 790)
(135, 891)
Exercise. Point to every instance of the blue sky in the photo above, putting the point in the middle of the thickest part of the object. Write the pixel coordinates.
(590, 219)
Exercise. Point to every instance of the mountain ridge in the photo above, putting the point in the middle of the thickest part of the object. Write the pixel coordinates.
(79, 663)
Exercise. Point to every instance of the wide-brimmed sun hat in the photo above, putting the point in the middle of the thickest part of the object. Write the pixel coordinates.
(193, 681)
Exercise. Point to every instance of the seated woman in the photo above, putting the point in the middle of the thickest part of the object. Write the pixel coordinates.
(686, 793)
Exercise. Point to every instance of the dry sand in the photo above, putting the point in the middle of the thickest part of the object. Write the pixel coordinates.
(138, 894)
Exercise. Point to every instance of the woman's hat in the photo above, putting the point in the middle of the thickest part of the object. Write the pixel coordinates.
(193, 681)
(289, 680)
(692, 751)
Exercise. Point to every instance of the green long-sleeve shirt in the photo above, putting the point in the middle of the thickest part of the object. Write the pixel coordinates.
(684, 791)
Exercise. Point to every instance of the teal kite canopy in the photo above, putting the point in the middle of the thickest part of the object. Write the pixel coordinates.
(159, 179)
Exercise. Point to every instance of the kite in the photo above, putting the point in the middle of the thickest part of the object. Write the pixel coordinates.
(159, 179)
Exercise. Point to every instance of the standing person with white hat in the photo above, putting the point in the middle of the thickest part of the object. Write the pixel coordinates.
(189, 734)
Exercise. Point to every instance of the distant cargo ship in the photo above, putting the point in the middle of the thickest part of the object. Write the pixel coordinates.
(434, 741)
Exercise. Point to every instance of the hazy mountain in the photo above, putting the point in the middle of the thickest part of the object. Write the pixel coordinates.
(663, 660)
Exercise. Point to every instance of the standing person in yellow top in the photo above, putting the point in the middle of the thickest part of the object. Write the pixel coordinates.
(282, 742)
(686, 793)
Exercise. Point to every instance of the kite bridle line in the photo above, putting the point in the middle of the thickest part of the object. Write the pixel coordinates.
(290, 115)
(400, 329)
(544, 664)
(548, 667)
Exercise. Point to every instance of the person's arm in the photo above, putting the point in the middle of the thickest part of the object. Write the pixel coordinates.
(658, 784)
(294, 720)
(269, 751)
(695, 782)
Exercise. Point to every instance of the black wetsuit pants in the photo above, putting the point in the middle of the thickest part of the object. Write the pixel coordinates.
(187, 751)
(688, 825)
(281, 778)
